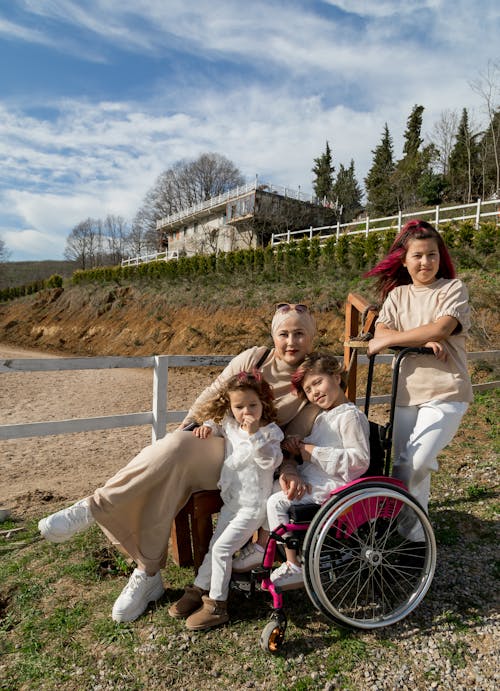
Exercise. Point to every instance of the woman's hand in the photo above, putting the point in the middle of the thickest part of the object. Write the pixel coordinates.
(202, 432)
(291, 444)
(306, 451)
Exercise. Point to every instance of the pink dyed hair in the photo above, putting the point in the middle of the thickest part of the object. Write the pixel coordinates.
(390, 271)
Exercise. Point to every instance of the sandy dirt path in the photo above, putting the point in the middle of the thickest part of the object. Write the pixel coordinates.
(39, 473)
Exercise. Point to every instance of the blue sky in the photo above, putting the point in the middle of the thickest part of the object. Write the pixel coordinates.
(98, 97)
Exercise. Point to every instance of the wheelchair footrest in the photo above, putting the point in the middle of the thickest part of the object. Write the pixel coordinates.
(303, 513)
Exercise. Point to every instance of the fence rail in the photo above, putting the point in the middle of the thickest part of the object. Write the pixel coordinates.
(151, 257)
(437, 215)
(159, 416)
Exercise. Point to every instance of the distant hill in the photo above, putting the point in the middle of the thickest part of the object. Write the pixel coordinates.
(20, 273)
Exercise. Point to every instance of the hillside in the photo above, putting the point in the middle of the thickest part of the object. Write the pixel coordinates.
(20, 273)
(199, 317)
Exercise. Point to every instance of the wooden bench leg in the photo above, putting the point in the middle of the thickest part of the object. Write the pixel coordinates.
(180, 537)
(192, 528)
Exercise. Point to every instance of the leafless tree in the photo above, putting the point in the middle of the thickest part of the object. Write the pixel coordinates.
(442, 137)
(487, 86)
(4, 252)
(114, 231)
(185, 184)
(82, 244)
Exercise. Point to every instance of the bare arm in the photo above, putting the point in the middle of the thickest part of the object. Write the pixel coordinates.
(429, 334)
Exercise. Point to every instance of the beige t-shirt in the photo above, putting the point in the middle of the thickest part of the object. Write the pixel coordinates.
(424, 378)
(275, 371)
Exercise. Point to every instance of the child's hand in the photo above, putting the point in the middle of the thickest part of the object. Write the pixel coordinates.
(437, 349)
(250, 424)
(202, 432)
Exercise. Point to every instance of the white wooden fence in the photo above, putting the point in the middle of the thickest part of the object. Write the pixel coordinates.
(438, 215)
(159, 416)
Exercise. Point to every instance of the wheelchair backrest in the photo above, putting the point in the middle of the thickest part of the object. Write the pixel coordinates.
(377, 449)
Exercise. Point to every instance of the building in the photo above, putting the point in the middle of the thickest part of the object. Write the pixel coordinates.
(239, 219)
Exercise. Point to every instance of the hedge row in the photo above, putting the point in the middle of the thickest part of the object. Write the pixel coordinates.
(469, 247)
(54, 281)
(358, 252)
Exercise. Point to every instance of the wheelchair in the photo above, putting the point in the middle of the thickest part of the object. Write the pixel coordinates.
(360, 571)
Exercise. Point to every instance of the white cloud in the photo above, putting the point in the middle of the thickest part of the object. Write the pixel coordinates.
(291, 79)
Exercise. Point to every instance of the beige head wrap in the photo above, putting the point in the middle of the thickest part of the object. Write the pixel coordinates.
(305, 319)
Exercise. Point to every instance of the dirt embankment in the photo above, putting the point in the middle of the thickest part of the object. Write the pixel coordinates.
(127, 321)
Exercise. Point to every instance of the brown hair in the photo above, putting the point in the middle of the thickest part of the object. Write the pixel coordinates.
(221, 403)
(318, 362)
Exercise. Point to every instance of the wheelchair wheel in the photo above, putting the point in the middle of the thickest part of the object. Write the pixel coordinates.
(273, 634)
(359, 569)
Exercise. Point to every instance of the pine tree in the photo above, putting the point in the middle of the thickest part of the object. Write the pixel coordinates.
(323, 170)
(347, 193)
(381, 198)
(411, 167)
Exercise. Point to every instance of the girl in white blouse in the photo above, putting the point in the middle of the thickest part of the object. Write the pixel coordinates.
(336, 451)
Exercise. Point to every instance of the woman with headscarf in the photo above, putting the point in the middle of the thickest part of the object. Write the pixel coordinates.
(136, 507)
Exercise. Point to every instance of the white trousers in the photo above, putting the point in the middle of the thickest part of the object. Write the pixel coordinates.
(278, 507)
(233, 530)
(420, 433)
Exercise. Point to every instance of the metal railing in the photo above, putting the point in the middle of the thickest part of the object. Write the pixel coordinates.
(151, 257)
(438, 215)
(231, 195)
(159, 416)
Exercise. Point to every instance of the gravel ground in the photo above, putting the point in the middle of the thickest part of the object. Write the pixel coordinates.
(452, 640)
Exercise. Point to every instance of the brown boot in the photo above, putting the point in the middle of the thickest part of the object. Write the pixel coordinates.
(189, 602)
(212, 613)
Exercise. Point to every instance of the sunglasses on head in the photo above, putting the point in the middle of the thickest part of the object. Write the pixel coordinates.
(288, 306)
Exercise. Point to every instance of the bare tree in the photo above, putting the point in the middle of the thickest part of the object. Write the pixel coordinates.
(443, 137)
(488, 87)
(185, 184)
(82, 244)
(4, 252)
(115, 236)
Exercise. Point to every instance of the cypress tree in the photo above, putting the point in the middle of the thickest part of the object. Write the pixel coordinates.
(323, 170)
(381, 198)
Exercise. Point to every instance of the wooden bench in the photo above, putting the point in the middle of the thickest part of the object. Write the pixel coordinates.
(193, 528)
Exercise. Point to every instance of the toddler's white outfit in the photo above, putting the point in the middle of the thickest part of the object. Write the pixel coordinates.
(245, 483)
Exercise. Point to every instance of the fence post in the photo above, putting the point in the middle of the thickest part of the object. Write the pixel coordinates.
(338, 231)
(160, 396)
(310, 232)
(400, 219)
(367, 225)
(436, 221)
(478, 213)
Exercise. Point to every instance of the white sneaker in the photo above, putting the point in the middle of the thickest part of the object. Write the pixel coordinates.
(60, 526)
(249, 557)
(287, 576)
(137, 594)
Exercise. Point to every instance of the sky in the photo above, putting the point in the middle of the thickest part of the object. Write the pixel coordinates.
(98, 97)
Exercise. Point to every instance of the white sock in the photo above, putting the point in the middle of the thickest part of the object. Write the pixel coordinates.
(258, 547)
(294, 567)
